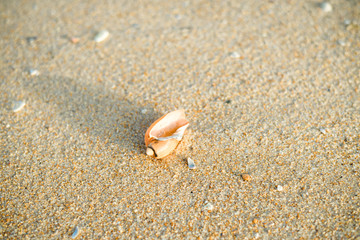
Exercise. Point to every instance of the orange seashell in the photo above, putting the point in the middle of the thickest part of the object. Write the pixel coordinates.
(164, 134)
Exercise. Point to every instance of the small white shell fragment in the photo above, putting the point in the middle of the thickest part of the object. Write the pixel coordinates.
(235, 55)
(322, 130)
(208, 206)
(341, 42)
(34, 72)
(191, 163)
(279, 188)
(75, 233)
(101, 36)
(326, 7)
(18, 105)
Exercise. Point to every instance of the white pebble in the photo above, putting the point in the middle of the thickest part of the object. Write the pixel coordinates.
(75, 233)
(326, 7)
(208, 206)
(34, 72)
(191, 163)
(347, 22)
(143, 111)
(18, 105)
(235, 55)
(279, 188)
(101, 36)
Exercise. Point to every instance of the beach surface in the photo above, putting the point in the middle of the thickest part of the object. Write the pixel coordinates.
(270, 88)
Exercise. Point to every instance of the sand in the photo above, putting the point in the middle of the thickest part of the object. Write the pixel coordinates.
(271, 89)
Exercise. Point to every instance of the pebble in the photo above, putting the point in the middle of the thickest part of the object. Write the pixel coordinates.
(74, 39)
(34, 72)
(246, 177)
(191, 163)
(235, 55)
(279, 188)
(326, 7)
(208, 206)
(75, 233)
(101, 36)
(31, 39)
(18, 105)
(347, 22)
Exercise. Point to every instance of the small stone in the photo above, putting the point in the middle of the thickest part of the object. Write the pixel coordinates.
(18, 105)
(246, 177)
(326, 7)
(143, 111)
(347, 22)
(75, 40)
(31, 39)
(255, 221)
(208, 206)
(75, 233)
(191, 163)
(101, 36)
(279, 188)
(34, 72)
(235, 55)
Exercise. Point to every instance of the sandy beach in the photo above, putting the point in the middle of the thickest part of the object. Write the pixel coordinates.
(270, 88)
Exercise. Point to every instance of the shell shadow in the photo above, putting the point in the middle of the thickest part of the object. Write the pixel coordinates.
(95, 110)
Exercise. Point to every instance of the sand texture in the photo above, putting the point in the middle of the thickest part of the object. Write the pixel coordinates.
(271, 90)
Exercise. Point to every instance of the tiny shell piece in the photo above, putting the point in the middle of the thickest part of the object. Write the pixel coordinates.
(18, 105)
(322, 130)
(101, 36)
(164, 134)
(235, 55)
(34, 72)
(75, 233)
(208, 206)
(191, 163)
(326, 7)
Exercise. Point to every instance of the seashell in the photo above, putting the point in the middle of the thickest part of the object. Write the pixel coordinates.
(18, 105)
(101, 36)
(191, 163)
(75, 233)
(164, 134)
(208, 206)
